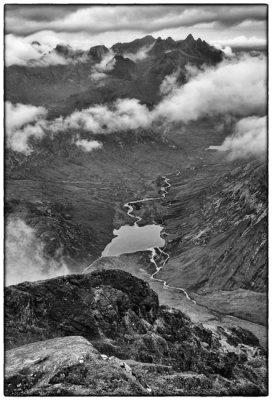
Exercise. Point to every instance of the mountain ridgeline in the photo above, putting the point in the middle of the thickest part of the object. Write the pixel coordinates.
(64, 88)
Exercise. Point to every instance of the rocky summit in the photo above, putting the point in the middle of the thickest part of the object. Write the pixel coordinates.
(104, 333)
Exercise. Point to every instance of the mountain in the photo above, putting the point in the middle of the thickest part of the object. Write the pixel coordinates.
(131, 344)
(134, 46)
(62, 87)
(124, 68)
(98, 52)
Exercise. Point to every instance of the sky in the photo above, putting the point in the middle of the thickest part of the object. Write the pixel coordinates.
(85, 26)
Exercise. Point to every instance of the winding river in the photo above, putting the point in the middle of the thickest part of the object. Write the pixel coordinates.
(130, 239)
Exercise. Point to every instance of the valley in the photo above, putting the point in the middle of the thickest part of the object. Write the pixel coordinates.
(136, 221)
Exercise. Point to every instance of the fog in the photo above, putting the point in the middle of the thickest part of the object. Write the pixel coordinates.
(21, 122)
(24, 257)
(249, 139)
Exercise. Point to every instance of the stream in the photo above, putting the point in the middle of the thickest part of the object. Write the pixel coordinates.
(130, 239)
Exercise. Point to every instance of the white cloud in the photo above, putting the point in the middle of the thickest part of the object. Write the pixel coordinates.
(18, 115)
(88, 145)
(236, 86)
(23, 121)
(105, 65)
(169, 83)
(22, 51)
(140, 54)
(25, 260)
(96, 19)
(18, 51)
(82, 40)
(248, 140)
(226, 49)
(124, 114)
(241, 41)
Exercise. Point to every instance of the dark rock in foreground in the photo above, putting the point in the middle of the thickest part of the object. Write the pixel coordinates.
(118, 318)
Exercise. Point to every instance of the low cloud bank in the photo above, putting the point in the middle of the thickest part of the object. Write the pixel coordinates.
(105, 65)
(227, 50)
(126, 114)
(251, 42)
(25, 260)
(22, 51)
(88, 145)
(235, 87)
(248, 140)
(169, 83)
(140, 54)
(23, 121)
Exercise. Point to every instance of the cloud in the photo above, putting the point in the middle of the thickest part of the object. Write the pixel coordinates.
(251, 42)
(85, 26)
(248, 140)
(21, 122)
(88, 145)
(140, 54)
(105, 65)
(236, 86)
(169, 83)
(95, 19)
(18, 51)
(227, 50)
(29, 51)
(124, 114)
(24, 256)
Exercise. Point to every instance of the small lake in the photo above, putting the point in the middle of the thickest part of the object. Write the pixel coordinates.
(129, 239)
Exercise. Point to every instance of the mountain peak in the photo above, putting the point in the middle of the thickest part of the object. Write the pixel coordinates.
(190, 38)
(97, 52)
(134, 46)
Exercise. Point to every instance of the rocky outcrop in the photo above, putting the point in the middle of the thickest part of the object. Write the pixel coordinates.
(134, 46)
(97, 52)
(67, 366)
(120, 315)
(123, 68)
(104, 303)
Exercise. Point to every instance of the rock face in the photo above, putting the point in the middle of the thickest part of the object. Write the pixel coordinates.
(98, 52)
(66, 366)
(158, 348)
(134, 46)
(93, 305)
(123, 68)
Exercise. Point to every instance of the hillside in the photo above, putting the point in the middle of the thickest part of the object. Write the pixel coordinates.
(132, 344)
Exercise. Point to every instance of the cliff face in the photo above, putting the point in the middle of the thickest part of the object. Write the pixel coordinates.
(119, 317)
